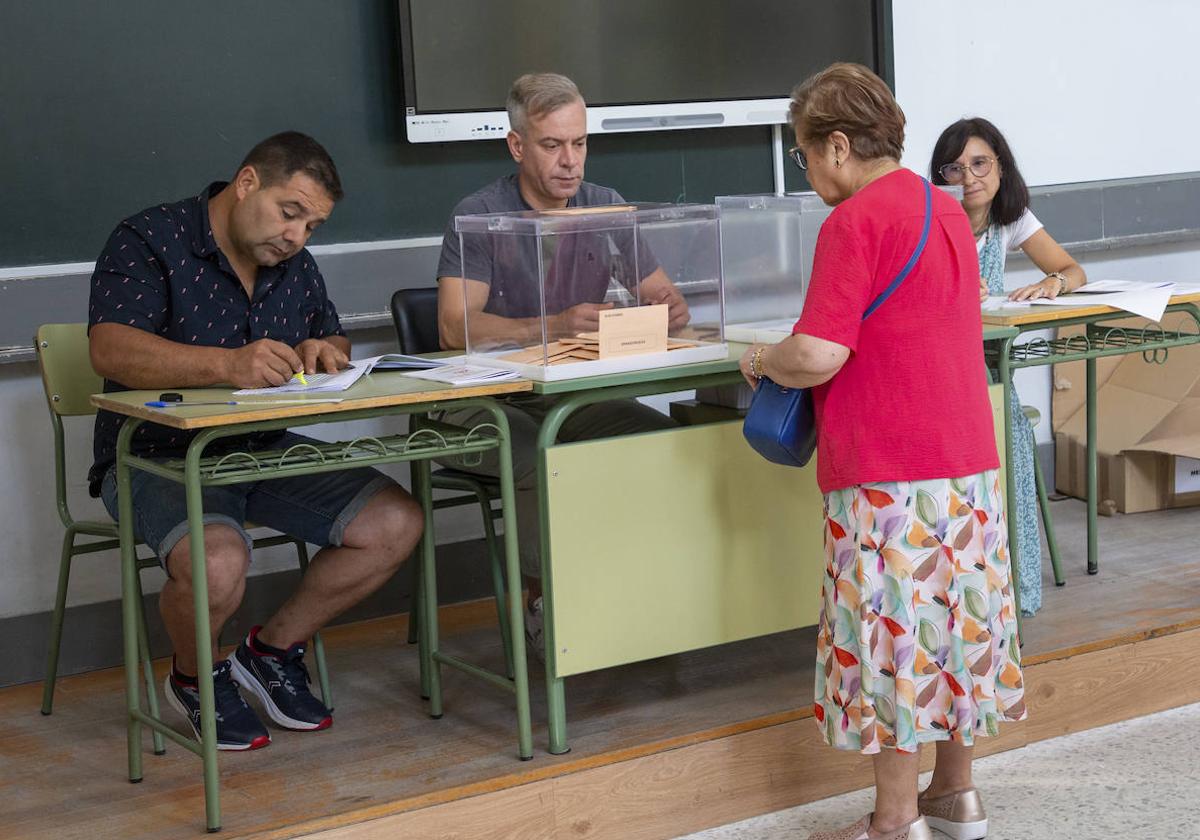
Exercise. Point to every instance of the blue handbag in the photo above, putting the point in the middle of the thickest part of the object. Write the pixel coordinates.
(780, 425)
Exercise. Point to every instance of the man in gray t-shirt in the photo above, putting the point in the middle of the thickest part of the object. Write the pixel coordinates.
(548, 141)
(582, 268)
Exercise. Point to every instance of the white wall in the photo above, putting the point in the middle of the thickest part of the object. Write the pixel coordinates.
(1083, 91)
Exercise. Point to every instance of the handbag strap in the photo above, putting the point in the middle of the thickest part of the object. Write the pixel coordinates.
(916, 254)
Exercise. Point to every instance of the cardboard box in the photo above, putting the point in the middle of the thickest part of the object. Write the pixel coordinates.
(1148, 427)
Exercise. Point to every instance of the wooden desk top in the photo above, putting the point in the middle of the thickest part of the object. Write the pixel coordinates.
(375, 390)
(991, 332)
(1012, 316)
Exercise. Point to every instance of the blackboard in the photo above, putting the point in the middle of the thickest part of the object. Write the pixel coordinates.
(112, 107)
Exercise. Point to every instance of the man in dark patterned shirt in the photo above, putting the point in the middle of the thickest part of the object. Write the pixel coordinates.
(219, 290)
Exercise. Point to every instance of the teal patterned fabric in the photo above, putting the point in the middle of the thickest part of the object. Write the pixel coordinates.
(1028, 549)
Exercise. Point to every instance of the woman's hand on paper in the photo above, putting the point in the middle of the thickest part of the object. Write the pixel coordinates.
(1047, 289)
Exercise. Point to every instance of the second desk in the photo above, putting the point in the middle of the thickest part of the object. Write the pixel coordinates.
(673, 540)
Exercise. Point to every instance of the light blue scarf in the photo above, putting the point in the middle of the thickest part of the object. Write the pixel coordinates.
(991, 261)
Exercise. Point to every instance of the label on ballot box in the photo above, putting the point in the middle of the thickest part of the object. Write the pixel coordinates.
(632, 330)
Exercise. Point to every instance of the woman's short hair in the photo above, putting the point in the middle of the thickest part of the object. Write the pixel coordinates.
(1013, 196)
(851, 99)
(535, 94)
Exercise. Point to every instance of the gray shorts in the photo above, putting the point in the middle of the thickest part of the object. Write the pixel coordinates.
(314, 508)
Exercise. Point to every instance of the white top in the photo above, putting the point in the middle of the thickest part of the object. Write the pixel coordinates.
(1013, 236)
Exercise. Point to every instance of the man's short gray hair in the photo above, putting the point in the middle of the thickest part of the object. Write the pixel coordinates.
(535, 94)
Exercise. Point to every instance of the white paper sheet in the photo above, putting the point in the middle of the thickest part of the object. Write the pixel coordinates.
(343, 379)
(993, 302)
(464, 374)
(1147, 300)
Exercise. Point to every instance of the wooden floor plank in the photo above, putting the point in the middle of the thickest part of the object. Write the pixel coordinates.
(715, 782)
(385, 758)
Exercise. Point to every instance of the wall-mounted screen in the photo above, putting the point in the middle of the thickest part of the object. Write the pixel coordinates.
(642, 65)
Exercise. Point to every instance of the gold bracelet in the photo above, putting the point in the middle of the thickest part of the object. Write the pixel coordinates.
(756, 367)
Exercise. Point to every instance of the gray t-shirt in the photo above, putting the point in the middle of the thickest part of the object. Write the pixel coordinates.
(580, 267)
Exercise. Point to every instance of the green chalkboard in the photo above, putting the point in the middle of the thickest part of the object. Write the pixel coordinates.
(111, 107)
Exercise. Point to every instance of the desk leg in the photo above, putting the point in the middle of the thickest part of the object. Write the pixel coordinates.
(1010, 486)
(1093, 560)
(204, 663)
(424, 657)
(556, 703)
(129, 607)
(431, 670)
(556, 694)
(512, 567)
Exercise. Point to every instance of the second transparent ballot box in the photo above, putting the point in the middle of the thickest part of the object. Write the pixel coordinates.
(767, 248)
(767, 245)
(558, 294)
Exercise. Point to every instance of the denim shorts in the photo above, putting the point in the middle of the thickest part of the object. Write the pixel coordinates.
(314, 508)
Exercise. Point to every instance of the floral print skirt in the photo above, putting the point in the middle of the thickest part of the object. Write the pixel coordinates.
(917, 638)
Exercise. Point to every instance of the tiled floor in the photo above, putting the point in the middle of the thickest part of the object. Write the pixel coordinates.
(1135, 779)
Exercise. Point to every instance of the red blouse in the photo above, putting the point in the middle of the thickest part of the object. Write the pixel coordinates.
(911, 402)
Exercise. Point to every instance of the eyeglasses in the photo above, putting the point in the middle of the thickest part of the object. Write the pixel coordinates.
(798, 158)
(955, 172)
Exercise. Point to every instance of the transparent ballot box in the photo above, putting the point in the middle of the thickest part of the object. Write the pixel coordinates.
(767, 244)
(559, 294)
(767, 247)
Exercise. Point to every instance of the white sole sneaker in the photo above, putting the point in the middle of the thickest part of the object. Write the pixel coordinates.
(176, 704)
(248, 681)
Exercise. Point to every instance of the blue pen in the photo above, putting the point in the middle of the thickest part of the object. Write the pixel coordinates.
(178, 404)
(182, 404)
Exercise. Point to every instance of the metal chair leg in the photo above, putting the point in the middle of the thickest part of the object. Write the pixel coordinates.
(56, 620)
(317, 644)
(489, 534)
(1047, 520)
(156, 737)
(414, 588)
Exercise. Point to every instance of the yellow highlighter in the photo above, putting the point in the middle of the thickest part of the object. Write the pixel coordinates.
(300, 376)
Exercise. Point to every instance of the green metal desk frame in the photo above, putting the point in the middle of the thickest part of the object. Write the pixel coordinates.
(196, 471)
(1097, 342)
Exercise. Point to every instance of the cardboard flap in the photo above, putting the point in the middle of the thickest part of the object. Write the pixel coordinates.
(1124, 418)
(1172, 380)
(1177, 434)
(1069, 389)
(1175, 379)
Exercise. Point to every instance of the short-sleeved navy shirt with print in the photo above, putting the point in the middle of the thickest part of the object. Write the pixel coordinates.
(161, 271)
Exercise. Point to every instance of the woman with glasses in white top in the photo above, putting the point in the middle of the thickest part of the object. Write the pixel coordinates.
(973, 154)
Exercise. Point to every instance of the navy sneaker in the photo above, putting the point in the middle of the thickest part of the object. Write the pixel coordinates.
(280, 682)
(238, 727)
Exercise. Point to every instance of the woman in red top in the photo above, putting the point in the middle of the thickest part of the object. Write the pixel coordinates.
(917, 636)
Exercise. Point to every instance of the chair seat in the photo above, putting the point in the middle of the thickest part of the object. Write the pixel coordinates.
(448, 478)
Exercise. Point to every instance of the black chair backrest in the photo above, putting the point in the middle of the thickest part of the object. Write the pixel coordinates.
(415, 314)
